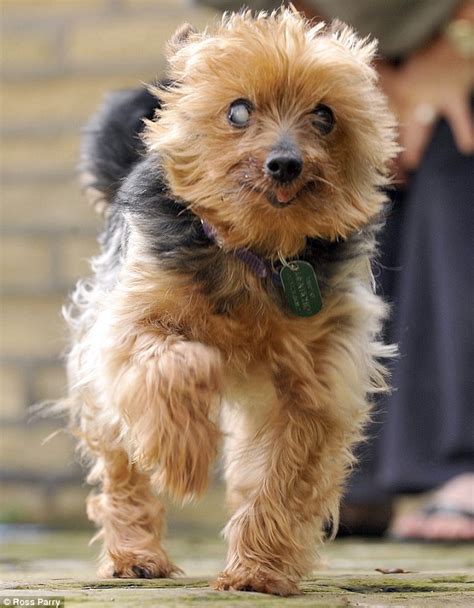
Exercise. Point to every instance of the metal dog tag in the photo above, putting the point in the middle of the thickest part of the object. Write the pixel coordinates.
(301, 288)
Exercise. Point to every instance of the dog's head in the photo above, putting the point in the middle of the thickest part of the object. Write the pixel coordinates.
(274, 129)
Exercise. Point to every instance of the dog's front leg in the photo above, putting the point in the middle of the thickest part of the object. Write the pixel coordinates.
(284, 473)
(167, 391)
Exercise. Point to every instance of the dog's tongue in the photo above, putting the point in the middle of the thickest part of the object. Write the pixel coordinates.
(283, 195)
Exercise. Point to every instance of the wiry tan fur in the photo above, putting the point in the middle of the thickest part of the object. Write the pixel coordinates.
(158, 379)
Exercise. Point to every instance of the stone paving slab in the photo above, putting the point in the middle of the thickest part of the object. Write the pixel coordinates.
(62, 564)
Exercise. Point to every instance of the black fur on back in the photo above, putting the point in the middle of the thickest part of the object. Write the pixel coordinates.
(111, 143)
(174, 234)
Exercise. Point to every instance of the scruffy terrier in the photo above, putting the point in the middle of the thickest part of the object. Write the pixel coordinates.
(233, 299)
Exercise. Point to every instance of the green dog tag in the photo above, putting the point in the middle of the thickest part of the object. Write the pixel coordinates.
(301, 288)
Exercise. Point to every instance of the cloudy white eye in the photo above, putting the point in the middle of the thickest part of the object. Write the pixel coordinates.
(324, 118)
(239, 113)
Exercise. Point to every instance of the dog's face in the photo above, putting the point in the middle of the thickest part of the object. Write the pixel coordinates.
(274, 130)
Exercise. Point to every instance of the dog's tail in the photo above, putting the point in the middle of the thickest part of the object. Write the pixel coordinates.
(112, 145)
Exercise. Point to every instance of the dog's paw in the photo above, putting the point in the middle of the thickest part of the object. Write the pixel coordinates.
(258, 581)
(126, 565)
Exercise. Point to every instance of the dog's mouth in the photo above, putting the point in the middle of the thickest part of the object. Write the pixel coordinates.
(282, 196)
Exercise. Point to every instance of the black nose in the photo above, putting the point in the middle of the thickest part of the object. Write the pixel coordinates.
(283, 167)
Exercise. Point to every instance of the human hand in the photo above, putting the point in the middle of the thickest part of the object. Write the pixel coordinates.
(435, 82)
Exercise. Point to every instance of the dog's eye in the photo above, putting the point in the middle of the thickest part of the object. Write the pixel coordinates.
(324, 119)
(239, 113)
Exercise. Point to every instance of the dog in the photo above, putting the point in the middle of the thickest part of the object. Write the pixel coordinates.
(232, 302)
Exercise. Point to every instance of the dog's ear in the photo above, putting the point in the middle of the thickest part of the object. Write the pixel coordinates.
(364, 49)
(179, 39)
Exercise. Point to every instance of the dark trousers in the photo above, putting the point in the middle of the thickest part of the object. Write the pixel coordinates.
(423, 433)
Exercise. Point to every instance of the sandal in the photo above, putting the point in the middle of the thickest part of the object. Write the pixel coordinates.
(447, 517)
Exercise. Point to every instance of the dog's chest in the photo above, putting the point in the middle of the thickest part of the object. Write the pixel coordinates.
(246, 319)
(280, 291)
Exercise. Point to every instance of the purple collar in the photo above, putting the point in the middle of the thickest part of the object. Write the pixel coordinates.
(254, 262)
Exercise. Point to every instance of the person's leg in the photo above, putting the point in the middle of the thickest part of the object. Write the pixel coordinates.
(427, 437)
(424, 436)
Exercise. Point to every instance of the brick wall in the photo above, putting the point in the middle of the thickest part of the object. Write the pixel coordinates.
(58, 58)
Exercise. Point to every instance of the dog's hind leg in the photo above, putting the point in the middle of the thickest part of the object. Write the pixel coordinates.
(131, 520)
